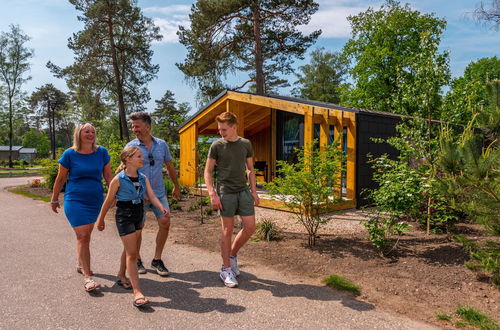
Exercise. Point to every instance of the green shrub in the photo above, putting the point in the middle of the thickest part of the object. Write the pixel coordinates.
(340, 283)
(307, 187)
(381, 228)
(267, 230)
(484, 258)
(169, 186)
(50, 168)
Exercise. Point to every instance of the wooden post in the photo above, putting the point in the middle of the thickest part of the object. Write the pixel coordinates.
(324, 131)
(351, 156)
(188, 162)
(272, 163)
(237, 108)
(308, 125)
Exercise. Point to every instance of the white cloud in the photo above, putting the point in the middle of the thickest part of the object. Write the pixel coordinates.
(168, 28)
(332, 18)
(168, 20)
(168, 10)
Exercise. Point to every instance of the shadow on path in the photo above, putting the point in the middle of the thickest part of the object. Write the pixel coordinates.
(180, 290)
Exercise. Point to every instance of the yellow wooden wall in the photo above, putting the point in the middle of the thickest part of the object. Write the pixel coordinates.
(188, 161)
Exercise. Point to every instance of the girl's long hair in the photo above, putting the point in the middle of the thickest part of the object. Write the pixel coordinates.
(77, 140)
(127, 152)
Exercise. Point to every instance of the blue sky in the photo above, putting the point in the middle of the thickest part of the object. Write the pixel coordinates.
(50, 23)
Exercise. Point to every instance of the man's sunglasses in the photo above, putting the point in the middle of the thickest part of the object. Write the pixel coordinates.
(151, 160)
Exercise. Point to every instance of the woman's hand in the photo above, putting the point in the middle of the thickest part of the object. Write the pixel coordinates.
(55, 205)
(165, 212)
(100, 225)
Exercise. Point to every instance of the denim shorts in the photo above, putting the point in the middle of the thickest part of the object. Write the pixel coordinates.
(240, 203)
(149, 206)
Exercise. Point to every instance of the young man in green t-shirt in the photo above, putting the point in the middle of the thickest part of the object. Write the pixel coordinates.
(233, 156)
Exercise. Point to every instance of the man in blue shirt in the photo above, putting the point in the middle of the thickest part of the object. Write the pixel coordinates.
(155, 153)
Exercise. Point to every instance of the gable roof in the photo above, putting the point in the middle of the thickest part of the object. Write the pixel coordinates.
(14, 148)
(291, 99)
(27, 151)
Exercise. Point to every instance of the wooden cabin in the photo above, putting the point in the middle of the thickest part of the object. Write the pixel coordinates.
(276, 125)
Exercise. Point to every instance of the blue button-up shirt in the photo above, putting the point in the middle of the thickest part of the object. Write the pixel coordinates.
(161, 154)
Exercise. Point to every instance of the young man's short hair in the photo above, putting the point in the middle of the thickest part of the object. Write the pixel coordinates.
(144, 116)
(228, 118)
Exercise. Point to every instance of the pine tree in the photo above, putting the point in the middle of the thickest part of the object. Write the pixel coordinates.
(112, 56)
(169, 115)
(255, 36)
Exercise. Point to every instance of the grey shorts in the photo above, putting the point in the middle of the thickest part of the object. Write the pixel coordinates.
(240, 203)
(149, 206)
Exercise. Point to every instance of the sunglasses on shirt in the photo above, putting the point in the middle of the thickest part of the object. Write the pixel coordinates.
(151, 160)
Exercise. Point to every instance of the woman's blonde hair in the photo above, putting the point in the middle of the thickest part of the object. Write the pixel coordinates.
(77, 140)
(127, 152)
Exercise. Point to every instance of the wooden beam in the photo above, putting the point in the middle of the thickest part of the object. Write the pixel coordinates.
(188, 162)
(238, 109)
(213, 106)
(272, 163)
(351, 156)
(308, 124)
(324, 132)
(267, 102)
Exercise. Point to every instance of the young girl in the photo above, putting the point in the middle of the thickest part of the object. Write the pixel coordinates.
(130, 188)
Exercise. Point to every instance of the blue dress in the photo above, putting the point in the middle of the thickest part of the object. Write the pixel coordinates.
(84, 193)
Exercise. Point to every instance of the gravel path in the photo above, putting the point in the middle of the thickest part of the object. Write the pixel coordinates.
(40, 288)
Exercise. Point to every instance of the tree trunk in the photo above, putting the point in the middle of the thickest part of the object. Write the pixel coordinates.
(259, 61)
(118, 82)
(10, 131)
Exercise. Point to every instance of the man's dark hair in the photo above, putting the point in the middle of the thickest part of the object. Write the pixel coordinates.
(144, 116)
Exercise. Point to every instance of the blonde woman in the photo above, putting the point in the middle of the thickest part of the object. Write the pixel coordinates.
(83, 166)
(130, 188)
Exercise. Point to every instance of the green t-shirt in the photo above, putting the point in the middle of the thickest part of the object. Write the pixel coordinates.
(230, 159)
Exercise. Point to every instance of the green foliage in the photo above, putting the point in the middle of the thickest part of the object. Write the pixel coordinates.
(396, 59)
(476, 318)
(38, 140)
(49, 170)
(49, 103)
(168, 116)
(484, 257)
(400, 188)
(307, 187)
(380, 229)
(468, 93)
(471, 177)
(322, 79)
(443, 317)
(258, 37)
(408, 187)
(267, 229)
(169, 186)
(14, 65)
(340, 283)
(114, 146)
(112, 66)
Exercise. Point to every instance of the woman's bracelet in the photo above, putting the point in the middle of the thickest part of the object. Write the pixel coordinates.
(55, 201)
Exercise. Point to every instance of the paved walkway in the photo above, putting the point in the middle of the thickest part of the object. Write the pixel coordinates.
(39, 287)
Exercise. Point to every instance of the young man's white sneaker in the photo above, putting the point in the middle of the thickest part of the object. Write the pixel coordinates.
(227, 276)
(233, 260)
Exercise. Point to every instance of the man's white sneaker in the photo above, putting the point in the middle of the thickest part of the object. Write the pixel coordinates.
(227, 276)
(233, 260)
